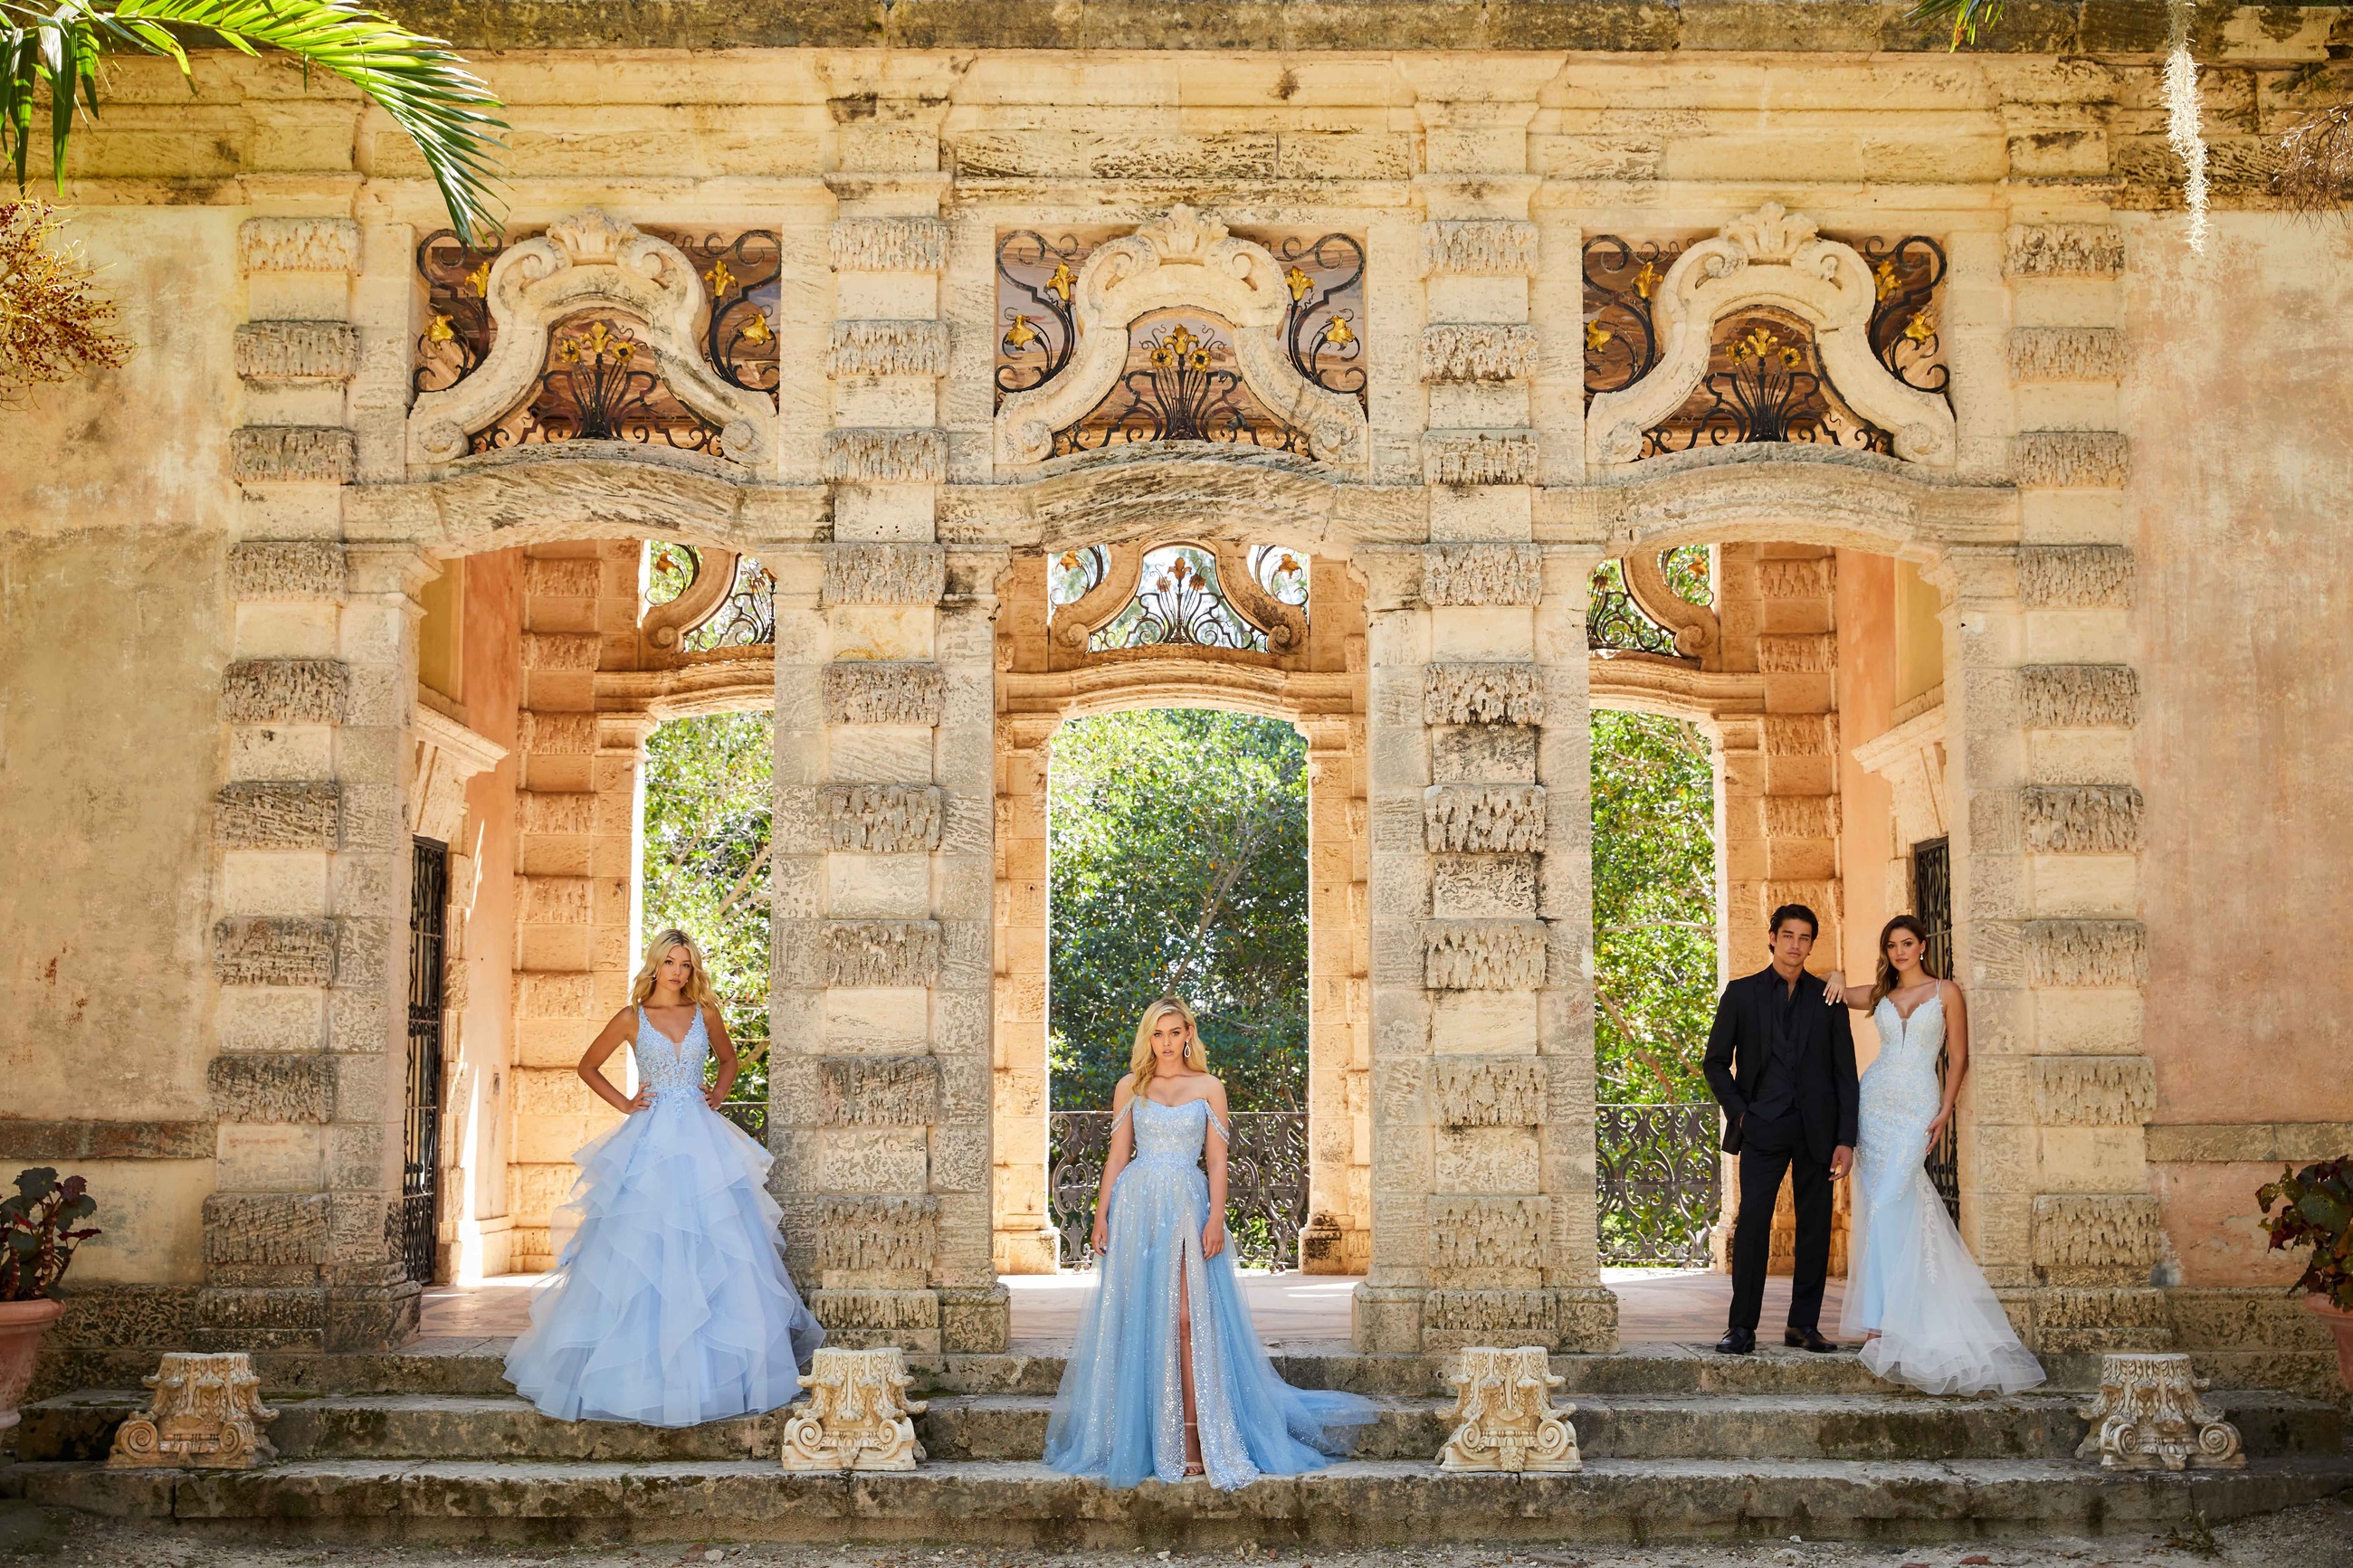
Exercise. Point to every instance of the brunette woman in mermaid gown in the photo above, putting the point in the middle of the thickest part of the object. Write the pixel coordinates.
(1166, 1378)
(1913, 1290)
(670, 1304)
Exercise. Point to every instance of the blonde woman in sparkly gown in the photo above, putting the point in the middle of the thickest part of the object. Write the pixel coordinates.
(1914, 1293)
(1166, 1378)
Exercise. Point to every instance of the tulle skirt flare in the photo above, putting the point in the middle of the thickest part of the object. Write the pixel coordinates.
(1120, 1416)
(670, 1304)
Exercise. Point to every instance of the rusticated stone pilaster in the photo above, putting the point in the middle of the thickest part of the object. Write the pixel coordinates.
(1506, 458)
(2078, 696)
(888, 245)
(888, 348)
(884, 819)
(2097, 1239)
(1478, 247)
(885, 574)
(275, 1228)
(2055, 460)
(2081, 819)
(2086, 952)
(1484, 955)
(1482, 694)
(2066, 353)
(286, 569)
(290, 353)
(272, 1089)
(1493, 818)
(878, 1236)
(274, 949)
(292, 454)
(2075, 577)
(2064, 250)
(878, 1091)
(2094, 1091)
(299, 245)
(1488, 1092)
(286, 691)
(271, 815)
(1478, 351)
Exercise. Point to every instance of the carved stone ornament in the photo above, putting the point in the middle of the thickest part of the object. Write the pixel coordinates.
(206, 1413)
(1184, 259)
(1503, 1417)
(1771, 257)
(2147, 1413)
(857, 1417)
(589, 262)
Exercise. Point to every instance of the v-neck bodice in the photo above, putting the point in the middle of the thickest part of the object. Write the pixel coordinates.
(670, 1066)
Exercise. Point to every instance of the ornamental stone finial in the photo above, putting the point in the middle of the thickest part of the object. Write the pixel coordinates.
(857, 1417)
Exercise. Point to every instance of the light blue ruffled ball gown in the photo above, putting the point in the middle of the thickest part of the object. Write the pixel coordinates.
(1120, 1416)
(669, 1305)
(1940, 1328)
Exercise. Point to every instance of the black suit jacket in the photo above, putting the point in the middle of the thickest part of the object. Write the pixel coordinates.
(1743, 1035)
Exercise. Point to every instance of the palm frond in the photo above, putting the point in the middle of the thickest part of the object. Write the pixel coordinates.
(419, 81)
(1963, 17)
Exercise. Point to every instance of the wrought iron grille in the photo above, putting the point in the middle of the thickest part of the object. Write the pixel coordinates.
(600, 381)
(1931, 901)
(1765, 383)
(429, 905)
(1266, 1183)
(751, 1115)
(1180, 385)
(1179, 603)
(1905, 273)
(1321, 327)
(1621, 291)
(458, 330)
(1659, 1188)
(1037, 279)
(1614, 622)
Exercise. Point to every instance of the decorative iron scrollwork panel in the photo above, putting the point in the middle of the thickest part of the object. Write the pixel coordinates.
(1764, 383)
(1904, 333)
(458, 330)
(1266, 1183)
(1322, 331)
(1614, 622)
(744, 617)
(1179, 603)
(1181, 384)
(1037, 283)
(1657, 1185)
(600, 383)
(1622, 289)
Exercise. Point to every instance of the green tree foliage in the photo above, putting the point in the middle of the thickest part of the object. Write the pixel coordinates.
(1653, 906)
(1179, 840)
(709, 783)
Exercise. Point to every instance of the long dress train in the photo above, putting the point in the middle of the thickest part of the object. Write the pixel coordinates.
(1940, 1328)
(670, 1304)
(1120, 1416)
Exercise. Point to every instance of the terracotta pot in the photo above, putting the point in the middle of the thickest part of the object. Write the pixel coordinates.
(2340, 1324)
(21, 1326)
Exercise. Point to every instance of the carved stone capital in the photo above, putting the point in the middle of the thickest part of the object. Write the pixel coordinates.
(857, 1416)
(1505, 1417)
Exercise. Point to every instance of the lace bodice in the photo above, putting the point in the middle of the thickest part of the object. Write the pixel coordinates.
(1172, 1133)
(1910, 1045)
(671, 1066)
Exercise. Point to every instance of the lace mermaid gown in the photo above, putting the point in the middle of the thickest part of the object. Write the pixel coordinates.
(1120, 1416)
(669, 1305)
(1940, 1328)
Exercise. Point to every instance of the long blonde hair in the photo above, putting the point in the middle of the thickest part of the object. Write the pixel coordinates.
(698, 989)
(1141, 1061)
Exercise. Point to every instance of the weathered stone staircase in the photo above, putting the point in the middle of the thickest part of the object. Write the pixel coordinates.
(1678, 1444)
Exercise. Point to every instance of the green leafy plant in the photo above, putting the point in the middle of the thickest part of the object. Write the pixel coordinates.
(36, 1228)
(1653, 906)
(2316, 1210)
(55, 53)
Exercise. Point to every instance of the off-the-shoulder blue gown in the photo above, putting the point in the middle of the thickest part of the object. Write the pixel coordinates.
(1120, 1416)
(669, 1305)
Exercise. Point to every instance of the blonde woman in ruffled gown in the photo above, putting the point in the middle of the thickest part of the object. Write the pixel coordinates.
(1913, 1291)
(670, 1304)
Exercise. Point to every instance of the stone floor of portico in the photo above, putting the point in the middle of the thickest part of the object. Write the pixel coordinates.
(1656, 1306)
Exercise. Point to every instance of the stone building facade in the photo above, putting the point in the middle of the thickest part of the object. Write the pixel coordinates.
(2044, 575)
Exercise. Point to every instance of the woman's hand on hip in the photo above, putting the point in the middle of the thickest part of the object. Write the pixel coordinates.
(715, 1096)
(641, 1101)
(1213, 1238)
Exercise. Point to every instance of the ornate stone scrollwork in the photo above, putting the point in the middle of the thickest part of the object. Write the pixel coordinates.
(1504, 1416)
(590, 262)
(1770, 258)
(857, 1417)
(2147, 1413)
(1284, 625)
(206, 1413)
(1184, 259)
(1697, 631)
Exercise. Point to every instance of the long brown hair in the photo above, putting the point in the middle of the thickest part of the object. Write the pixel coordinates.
(1888, 978)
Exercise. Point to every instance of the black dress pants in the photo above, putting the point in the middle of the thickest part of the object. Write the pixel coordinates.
(1768, 1149)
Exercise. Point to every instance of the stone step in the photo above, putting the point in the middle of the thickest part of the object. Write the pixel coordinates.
(1013, 1427)
(477, 1367)
(1359, 1504)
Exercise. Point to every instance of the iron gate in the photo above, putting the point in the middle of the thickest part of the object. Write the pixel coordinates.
(1931, 901)
(428, 906)
(1657, 1181)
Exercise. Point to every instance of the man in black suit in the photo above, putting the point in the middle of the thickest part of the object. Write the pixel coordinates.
(1781, 1061)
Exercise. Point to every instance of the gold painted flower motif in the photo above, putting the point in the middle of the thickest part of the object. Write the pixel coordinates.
(721, 281)
(1340, 333)
(1061, 284)
(1885, 277)
(1020, 334)
(1761, 345)
(479, 280)
(1300, 283)
(1646, 282)
(440, 332)
(1921, 327)
(1596, 337)
(757, 331)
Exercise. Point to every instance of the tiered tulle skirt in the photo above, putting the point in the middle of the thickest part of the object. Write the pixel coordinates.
(670, 1304)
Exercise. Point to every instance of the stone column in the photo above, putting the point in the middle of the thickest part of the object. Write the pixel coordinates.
(577, 861)
(1338, 1239)
(310, 945)
(2053, 1159)
(1025, 1240)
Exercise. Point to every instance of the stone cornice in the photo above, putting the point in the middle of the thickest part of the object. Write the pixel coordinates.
(2109, 27)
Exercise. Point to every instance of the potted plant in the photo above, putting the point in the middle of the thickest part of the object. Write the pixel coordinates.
(37, 1246)
(2316, 1208)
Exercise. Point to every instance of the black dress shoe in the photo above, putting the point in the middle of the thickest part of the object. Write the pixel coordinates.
(1737, 1341)
(1808, 1339)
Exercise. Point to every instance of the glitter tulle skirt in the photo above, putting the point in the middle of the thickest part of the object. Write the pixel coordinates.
(1120, 1416)
(669, 1305)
